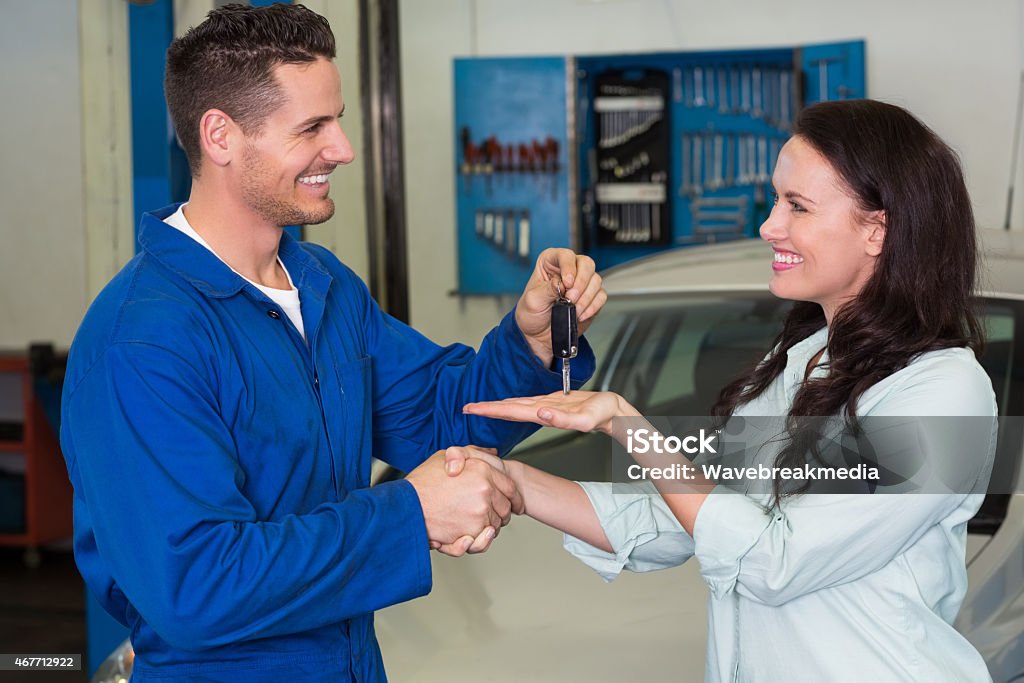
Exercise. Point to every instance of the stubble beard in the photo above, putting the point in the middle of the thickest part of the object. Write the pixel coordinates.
(272, 208)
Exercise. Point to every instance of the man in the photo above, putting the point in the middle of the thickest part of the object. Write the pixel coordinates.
(227, 390)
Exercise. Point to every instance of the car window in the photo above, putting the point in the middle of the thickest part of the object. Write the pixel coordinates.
(1002, 361)
(714, 343)
(999, 322)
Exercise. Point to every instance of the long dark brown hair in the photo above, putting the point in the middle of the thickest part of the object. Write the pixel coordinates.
(919, 297)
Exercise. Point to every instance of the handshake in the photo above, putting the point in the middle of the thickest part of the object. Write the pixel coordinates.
(467, 494)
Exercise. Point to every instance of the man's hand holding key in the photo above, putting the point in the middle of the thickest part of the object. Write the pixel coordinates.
(560, 273)
(559, 303)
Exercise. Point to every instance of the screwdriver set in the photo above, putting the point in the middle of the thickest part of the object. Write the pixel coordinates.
(535, 161)
(621, 156)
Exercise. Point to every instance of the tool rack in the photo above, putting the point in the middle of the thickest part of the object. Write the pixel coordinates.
(621, 156)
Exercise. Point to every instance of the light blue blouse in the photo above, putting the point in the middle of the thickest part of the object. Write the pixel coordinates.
(829, 587)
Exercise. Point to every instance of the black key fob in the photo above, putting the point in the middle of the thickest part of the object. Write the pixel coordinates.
(565, 340)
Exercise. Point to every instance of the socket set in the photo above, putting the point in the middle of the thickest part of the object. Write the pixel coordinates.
(631, 157)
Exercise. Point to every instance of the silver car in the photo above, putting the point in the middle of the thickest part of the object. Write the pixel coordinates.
(677, 327)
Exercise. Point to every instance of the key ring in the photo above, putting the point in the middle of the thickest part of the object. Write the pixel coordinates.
(558, 288)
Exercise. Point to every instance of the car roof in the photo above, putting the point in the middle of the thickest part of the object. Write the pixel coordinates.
(744, 265)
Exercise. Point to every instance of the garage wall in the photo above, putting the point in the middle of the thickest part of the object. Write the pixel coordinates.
(956, 65)
(42, 276)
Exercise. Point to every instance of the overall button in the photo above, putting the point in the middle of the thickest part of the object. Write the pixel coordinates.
(274, 314)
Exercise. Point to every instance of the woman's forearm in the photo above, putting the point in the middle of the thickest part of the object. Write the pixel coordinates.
(684, 504)
(559, 503)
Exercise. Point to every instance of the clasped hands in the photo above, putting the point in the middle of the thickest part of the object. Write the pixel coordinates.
(468, 493)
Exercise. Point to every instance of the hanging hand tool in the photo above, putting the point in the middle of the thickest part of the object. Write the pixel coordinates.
(524, 236)
(723, 91)
(822, 64)
(734, 89)
(468, 152)
(755, 77)
(551, 150)
(698, 165)
(730, 160)
(511, 228)
(785, 101)
(745, 90)
(684, 186)
(717, 182)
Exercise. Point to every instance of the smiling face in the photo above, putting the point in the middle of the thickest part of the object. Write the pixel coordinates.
(283, 175)
(825, 247)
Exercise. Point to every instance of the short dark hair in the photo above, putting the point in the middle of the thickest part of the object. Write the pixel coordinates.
(227, 63)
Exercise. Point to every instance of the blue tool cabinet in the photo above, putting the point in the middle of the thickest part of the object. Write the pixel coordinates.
(620, 156)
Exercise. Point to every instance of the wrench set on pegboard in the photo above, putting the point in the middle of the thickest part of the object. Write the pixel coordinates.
(712, 161)
(733, 118)
(632, 157)
(621, 156)
(767, 92)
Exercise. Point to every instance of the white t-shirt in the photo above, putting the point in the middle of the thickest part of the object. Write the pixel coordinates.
(287, 299)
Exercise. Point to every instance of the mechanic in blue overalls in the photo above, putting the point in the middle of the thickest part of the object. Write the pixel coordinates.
(227, 390)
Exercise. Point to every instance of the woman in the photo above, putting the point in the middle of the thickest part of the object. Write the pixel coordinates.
(872, 234)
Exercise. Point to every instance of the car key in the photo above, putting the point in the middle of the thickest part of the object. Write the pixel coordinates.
(565, 340)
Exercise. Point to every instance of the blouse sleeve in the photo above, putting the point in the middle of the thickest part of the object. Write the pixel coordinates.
(639, 526)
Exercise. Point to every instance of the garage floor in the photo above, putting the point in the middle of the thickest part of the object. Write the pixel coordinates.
(42, 611)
